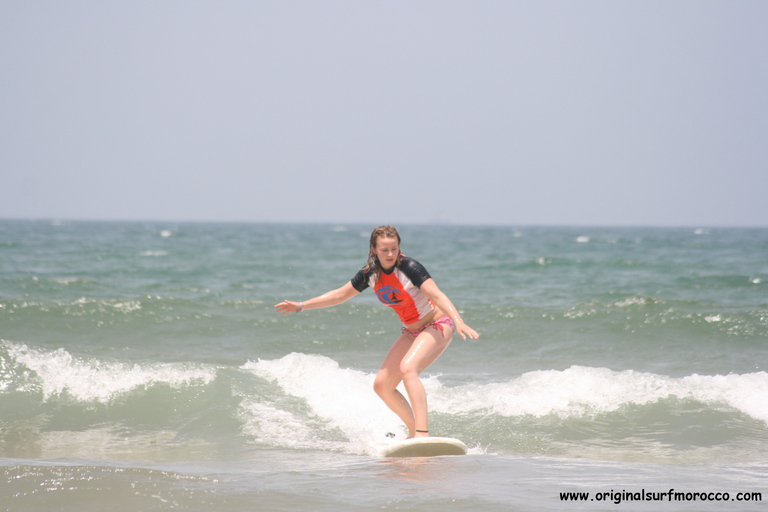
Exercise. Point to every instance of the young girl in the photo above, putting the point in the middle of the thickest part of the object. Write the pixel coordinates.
(428, 316)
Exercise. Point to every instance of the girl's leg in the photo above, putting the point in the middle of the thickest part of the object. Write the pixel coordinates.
(407, 358)
(425, 349)
(389, 377)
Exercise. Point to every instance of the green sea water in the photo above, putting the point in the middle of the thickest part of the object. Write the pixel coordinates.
(143, 366)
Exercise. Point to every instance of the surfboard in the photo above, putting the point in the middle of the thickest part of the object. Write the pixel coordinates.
(424, 447)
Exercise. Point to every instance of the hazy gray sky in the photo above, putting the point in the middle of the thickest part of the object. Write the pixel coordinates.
(489, 112)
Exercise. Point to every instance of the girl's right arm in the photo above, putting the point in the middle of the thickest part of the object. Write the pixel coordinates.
(331, 298)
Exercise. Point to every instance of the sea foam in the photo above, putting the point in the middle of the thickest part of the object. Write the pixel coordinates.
(57, 373)
(332, 392)
(579, 391)
(341, 398)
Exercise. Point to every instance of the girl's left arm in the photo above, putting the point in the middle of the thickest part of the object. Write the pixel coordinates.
(441, 300)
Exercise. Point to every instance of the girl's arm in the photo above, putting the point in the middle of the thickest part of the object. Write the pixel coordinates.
(331, 298)
(439, 299)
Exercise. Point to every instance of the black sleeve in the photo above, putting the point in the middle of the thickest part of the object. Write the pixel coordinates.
(360, 281)
(415, 271)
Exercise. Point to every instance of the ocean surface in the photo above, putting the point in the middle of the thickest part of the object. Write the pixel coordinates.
(143, 367)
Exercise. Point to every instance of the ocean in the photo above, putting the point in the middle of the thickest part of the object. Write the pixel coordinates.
(144, 367)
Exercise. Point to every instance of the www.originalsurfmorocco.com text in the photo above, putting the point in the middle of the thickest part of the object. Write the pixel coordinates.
(618, 497)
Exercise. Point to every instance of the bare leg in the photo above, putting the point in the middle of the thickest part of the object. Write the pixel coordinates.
(389, 377)
(423, 352)
(407, 358)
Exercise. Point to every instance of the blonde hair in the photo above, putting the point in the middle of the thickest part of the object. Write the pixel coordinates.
(373, 264)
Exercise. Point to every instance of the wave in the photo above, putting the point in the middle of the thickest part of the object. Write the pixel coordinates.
(576, 412)
(84, 314)
(582, 391)
(59, 403)
(90, 380)
(337, 399)
(637, 312)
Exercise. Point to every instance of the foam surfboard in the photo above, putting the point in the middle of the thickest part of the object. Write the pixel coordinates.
(424, 447)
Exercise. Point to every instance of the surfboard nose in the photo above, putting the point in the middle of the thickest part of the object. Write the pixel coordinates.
(425, 447)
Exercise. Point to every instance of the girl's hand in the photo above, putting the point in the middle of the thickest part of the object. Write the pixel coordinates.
(289, 307)
(464, 330)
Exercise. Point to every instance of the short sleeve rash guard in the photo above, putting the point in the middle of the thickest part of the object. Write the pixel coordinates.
(399, 289)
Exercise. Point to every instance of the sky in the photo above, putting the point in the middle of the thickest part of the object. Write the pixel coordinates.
(602, 113)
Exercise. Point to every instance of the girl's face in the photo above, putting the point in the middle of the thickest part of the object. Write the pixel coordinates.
(387, 250)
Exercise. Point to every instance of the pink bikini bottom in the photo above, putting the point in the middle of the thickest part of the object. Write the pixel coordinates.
(437, 324)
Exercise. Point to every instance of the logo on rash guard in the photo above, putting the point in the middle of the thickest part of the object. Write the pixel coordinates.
(388, 295)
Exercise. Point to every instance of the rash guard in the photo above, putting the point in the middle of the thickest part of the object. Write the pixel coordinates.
(398, 288)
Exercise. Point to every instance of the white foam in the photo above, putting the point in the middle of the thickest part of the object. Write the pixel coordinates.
(632, 301)
(127, 306)
(66, 281)
(343, 398)
(85, 305)
(272, 425)
(581, 391)
(93, 380)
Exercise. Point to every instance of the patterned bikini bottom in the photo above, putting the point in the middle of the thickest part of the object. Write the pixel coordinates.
(437, 324)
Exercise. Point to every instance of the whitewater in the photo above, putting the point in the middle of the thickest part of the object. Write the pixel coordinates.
(142, 366)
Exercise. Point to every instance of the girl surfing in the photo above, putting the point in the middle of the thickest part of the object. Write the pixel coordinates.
(429, 321)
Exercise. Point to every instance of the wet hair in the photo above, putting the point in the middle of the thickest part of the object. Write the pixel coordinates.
(373, 264)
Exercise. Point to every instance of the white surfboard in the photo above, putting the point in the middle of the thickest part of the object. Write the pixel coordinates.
(424, 447)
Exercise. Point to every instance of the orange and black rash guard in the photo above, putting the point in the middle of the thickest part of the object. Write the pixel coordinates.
(398, 288)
